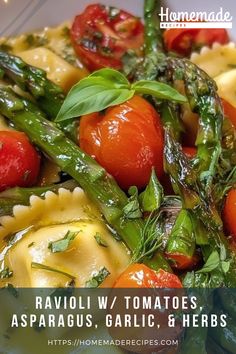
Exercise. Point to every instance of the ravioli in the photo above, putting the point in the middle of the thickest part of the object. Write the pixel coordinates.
(48, 220)
(58, 70)
(226, 84)
(218, 59)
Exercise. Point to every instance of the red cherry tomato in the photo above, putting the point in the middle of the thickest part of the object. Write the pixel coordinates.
(190, 151)
(182, 262)
(184, 41)
(127, 140)
(102, 34)
(19, 161)
(229, 213)
(229, 111)
(140, 276)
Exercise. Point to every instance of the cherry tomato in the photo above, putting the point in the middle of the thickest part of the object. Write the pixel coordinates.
(19, 161)
(184, 40)
(140, 276)
(127, 140)
(102, 34)
(190, 151)
(229, 111)
(182, 262)
(229, 213)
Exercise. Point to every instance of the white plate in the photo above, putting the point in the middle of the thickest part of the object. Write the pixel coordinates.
(18, 16)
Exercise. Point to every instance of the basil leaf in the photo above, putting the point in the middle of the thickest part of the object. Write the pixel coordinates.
(107, 87)
(98, 278)
(151, 198)
(132, 209)
(158, 90)
(100, 240)
(212, 263)
(114, 76)
(62, 244)
(95, 93)
(225, 266)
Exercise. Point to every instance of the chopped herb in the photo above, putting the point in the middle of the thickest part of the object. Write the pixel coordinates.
(5, 47)
(40, 266)
(98, 278)
(6, 273)
(212, 263)
(132, 209)
(66, 31)
(34, 40)
(30, 40)
(100, 240)
(31, 244)
(63, 244)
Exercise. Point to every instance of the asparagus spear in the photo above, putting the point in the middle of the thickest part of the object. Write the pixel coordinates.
(48, 95)
(203, 99)
(99, 185)
(153, 35)
(225, 336)
(184, 180)
(20, 196)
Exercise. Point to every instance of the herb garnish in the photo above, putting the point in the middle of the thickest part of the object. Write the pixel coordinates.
(152, 197)
(132, 209)
(98, 278)
(107, 87)
(100, 240)
(41, 266)
(6, 273)
(31, 244)
(63, 244)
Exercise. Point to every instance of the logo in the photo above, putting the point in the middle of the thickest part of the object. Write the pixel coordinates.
(195, 19)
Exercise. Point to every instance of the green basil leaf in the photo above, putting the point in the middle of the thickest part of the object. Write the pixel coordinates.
(108, 87)
(98, 278)
(132, 209)
(152, 197)
(100, 241)
(225, 266)
(114, 76)
(62, 244)
(212, 263)
(102, 89)
(158, 90)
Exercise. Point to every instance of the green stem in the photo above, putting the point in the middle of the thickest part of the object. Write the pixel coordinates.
(153, 34)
